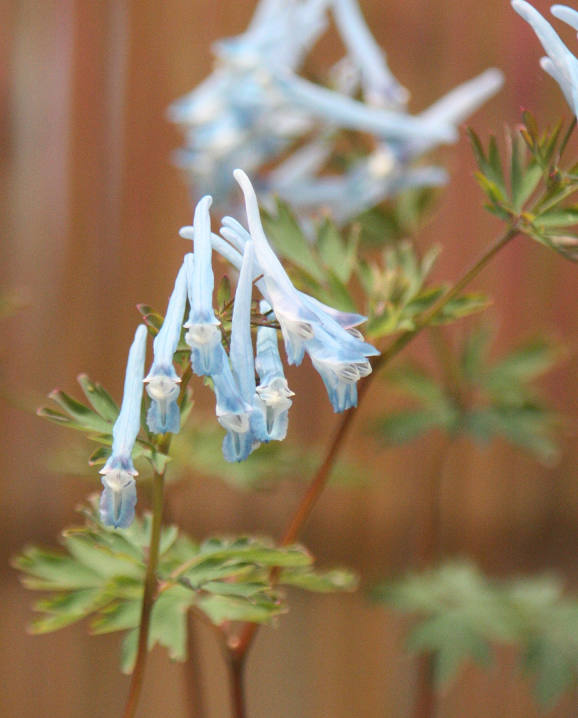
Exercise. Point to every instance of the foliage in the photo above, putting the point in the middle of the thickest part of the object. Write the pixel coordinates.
(535, 191)
(460, 613)
(481, 398)
(101, 571)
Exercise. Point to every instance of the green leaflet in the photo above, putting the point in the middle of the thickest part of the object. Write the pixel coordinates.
(100, 572)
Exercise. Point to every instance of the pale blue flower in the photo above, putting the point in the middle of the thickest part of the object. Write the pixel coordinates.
(566, 14)
(119, 496)
(379, 85)
(232, 250)
(346, 112)
(387, 170)
(162, 381)
(240, 439)
(273, 391)
(338, 353)
(560, 63)
(203, 333)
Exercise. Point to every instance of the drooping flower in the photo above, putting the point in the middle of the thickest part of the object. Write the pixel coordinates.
(560, 63)
(273, 393)
(119, 496)
(388, 169)
(339, 355)
(162, 381)
(258, 112)
(204, 334)
(239, 443)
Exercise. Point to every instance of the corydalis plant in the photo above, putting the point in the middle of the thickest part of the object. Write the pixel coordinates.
(250, 413)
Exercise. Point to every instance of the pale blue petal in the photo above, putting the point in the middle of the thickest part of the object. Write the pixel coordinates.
(127, 425)
(237, 447)
(273, 391)
(163, 414)
(456, 106)
(566, 14)
(564, 66)
(346, 112)
(203, 337)
(238, 234)
(118, 501)
(241, 352)
(291, 311)
(202, 281)
(379, 84)
(340, 368)
(231, 407)
(166, 341)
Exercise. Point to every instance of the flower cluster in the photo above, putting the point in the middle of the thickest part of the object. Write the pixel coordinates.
(560, 63)
(250, 412)
(256, 110)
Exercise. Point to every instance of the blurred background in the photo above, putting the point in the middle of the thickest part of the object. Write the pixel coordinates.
(91, 209)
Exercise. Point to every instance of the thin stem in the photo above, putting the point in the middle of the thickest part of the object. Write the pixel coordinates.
(194, 694)
(148, 599)
(239, 645)
(236, 666)
(428, 550)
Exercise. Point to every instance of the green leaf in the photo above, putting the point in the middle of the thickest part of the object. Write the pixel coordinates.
(408, 424)
(128, 651)
(229, 608)
(49, 570)
(99, 398)
(81, 416)
(333, 250)
(338, 579)
(152, 319)
(285, 234)
(561, 217)
(462, 306)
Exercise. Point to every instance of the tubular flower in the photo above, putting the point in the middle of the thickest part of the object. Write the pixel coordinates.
(119, 496)
(258, 112)
(560, 63)
(162, 382)
(273, 393)
(203, 335)
(337, 351)
(241, 440)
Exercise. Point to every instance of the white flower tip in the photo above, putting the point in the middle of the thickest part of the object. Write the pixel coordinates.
(141, 334)
(186, 232)
(205, 202)
(243, 180)
(494, 78)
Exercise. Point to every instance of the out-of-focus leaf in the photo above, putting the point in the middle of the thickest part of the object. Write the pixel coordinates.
(460, 614)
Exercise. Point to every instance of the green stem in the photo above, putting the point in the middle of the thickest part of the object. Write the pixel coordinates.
(148, 599)
(422, 322)
(239, 645)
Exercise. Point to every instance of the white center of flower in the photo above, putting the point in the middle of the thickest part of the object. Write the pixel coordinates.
(202, 334)
(237, 423)
(276, 394)
(117, 479)
(162, 388)
(381, 162)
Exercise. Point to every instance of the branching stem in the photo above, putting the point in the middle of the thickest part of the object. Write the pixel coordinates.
(239, 645)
